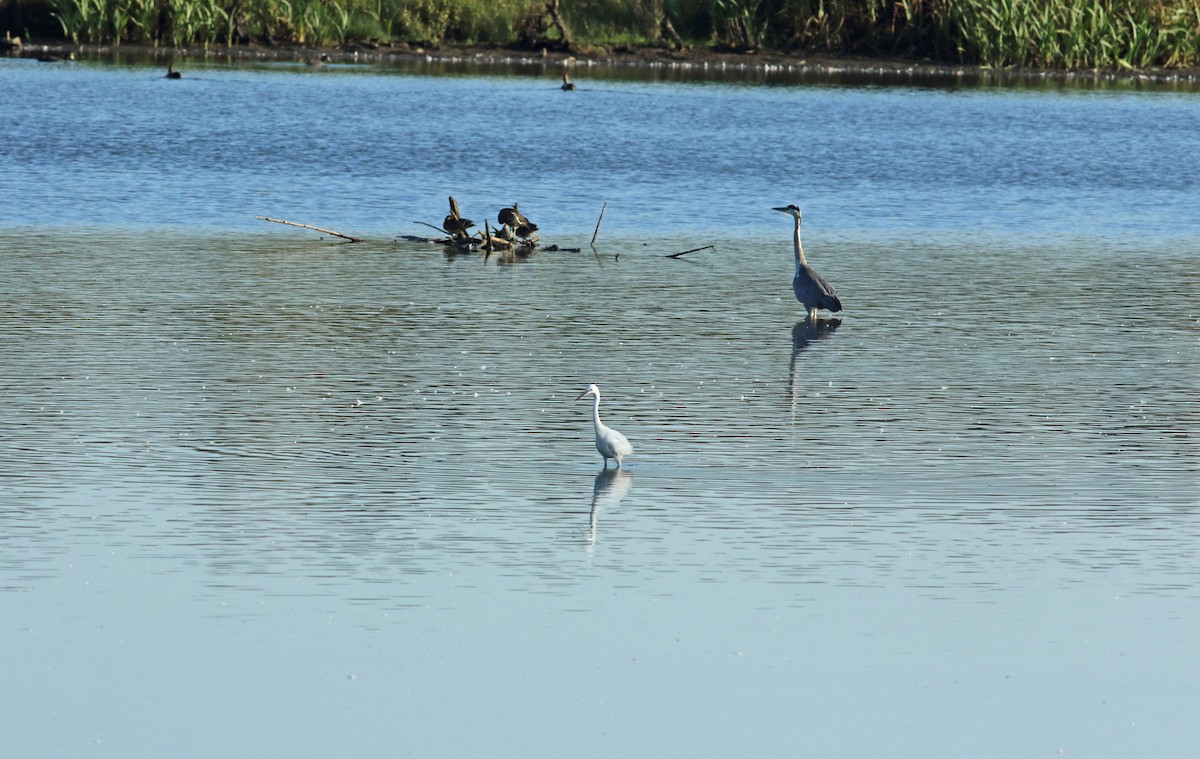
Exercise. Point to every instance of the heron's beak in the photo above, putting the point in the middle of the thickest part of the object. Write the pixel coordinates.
(584, 393)
(785, 210)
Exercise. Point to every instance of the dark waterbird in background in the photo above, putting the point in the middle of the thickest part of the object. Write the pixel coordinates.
(811, 288)
(172, 73)
(454, 223)
(520, 224)
(567, 84)
(456, 226)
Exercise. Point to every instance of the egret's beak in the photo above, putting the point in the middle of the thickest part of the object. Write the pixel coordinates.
(584, 393)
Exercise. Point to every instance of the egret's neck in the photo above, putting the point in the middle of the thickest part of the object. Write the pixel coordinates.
(799, 248)
(596, 412)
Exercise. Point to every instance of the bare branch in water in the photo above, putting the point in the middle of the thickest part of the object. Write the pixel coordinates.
(685, 252)
(315, 229)
(598, 222)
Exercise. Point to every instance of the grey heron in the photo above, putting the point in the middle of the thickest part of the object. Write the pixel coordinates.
(811, 288)
(610, 443)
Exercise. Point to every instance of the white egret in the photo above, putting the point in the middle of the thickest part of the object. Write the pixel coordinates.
(610, 443)
(811, 288)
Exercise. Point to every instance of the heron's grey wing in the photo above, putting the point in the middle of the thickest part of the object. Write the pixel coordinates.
(822, 286)
(819, 291)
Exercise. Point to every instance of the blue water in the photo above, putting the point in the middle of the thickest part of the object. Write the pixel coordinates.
(373, 153)
(267, 493)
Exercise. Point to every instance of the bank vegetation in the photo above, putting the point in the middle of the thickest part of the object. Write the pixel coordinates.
(1068, 34)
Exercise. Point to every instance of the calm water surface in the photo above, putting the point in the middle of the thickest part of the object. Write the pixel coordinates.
(263, 493)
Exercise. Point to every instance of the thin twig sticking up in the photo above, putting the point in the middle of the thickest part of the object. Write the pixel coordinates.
(598, 222)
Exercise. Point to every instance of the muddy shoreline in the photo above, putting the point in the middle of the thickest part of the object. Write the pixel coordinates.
(700, 62)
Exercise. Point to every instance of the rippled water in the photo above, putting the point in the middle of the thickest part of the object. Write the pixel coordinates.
(265, 493)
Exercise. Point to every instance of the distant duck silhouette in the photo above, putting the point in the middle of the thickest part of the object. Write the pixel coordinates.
(317, 61)
(172, 73)
(567, 84)
(51, 58)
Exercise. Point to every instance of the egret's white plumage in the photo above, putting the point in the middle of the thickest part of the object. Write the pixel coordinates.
(610, 443)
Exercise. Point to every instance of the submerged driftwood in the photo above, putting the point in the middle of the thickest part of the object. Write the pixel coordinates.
(306, 226)
(515, 231)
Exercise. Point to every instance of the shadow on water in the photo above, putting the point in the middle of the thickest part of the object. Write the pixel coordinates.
(610, 487)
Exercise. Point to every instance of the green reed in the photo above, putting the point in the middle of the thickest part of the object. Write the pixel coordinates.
(1079, 33)
(997, 33)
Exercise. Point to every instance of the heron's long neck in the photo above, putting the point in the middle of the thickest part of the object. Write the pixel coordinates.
(596, 412)
(799, 249)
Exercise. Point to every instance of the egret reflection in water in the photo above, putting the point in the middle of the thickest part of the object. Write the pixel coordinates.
(610, 487)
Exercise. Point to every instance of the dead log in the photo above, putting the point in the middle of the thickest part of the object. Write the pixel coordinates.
(560, 25)
(315, 229)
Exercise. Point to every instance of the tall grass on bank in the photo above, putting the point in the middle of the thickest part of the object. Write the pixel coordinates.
(303, 22)
(1077, 33)
(997, 33)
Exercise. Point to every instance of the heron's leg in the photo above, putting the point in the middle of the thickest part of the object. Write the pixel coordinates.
(812, 314)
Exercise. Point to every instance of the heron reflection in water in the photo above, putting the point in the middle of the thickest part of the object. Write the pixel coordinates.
(610, 487)
(804, 334)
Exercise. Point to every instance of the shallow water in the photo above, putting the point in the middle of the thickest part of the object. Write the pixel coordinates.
(266, 493)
